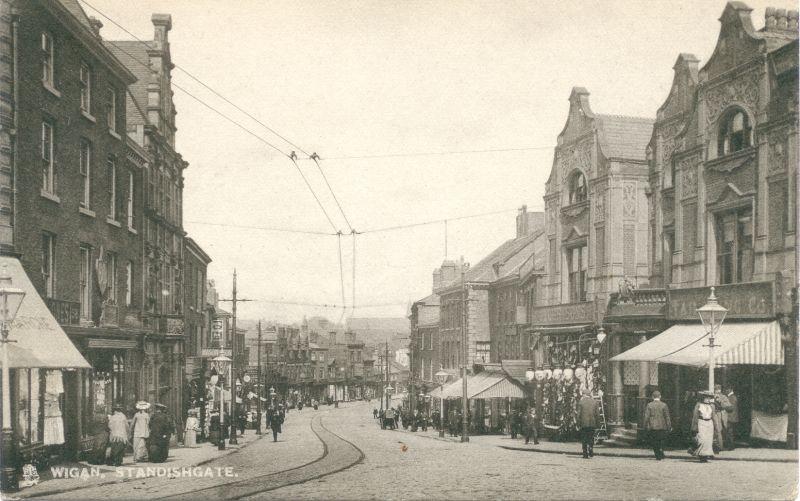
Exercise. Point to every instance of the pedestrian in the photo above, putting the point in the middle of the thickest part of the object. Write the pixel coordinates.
(703, 426)
(721, 407)
(99, 431)
(733, 419)
(315, 404)
(389, 418)
(588, 417)
(374, 413)
(531, 426)
(516, 423)
(141, 431)
(382, 419)
(191, 429)
(275, 422)
(118, 435)
(214, 435)
(161, 429)
(242, 421)
(657, 424)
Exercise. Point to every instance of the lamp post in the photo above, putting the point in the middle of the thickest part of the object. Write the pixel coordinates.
(221, 364)
(10, 301)
(441, 377)
(712, 314)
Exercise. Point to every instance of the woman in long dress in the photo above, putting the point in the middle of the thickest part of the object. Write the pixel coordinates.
(191, 429)
(703, 426)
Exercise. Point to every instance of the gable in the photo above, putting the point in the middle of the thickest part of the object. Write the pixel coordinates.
(737, 43)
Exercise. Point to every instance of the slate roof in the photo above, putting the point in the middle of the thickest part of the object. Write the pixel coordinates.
(511, 254)
(74, 7)
(432, 300)
(624, 137)
(133, 54)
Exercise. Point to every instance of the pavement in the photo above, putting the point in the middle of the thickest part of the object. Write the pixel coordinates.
(83, 475)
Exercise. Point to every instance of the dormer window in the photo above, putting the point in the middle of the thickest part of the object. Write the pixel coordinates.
(577, 188)
(734, 133)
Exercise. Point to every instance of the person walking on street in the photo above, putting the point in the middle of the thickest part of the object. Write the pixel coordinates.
(141, 431)
(733, 419)
(118, 436)
(588, 417)
(389, 418)
(375, 413)
(191, 429)
(703, 426)
(721, 407)
(275, 422)
(161, 429)
(657, 424)
(531, 426)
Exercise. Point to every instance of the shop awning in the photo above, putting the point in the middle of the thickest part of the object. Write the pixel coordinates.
(564, 329)
(36, 331)
(749, 343)
(484, 385)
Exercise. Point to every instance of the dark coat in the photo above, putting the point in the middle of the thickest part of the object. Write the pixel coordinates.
(275, 421)
(733, 412)
(161, 427)
(588, 412)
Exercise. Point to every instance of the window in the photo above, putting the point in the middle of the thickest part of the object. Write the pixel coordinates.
(47, 59)
(86, 88)
(735, 246)
(577, 188)
(577, 263)
(86, 172)
(112, 188)
(734, 133)
(85, 283)
(130, 200)
(48, 262)
(111, 274)
(669, 248)
(48, 171)
(111, 110)
(482, 349)
(129, 283)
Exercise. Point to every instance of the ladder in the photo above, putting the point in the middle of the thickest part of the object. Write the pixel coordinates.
(601, 433)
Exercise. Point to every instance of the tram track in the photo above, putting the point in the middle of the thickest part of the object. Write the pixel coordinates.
(338, 455)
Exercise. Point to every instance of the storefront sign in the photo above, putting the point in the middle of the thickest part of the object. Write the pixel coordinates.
(563, 314)
(213, 352)
(113, 344)
(743, 301)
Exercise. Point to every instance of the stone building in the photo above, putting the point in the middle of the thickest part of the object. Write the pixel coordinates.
(425, 345)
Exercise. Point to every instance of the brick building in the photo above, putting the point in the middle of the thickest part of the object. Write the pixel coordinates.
(425, 345)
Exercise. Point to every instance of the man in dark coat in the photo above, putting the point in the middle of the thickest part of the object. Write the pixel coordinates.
(275, 422)
(657, 423)
(161, 429)
(588, 417)
(733, 420)
(531, 426)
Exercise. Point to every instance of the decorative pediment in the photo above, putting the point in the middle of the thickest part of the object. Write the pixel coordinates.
(684, 81)
(575, 210)
(574, 235)
(580, 118)
(731, 195)
(729, 163)
(737, 42)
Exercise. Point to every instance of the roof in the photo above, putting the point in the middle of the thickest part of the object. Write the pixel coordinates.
(624, 137)
(432, 300)
(508, 257)
(516, 369)
(133, 54)
(74, 7)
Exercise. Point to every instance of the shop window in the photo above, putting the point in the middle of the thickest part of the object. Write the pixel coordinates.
(735, 246)
(577, 263)
(734, 133)
(85, 282)
(48, 264)
(577, 188)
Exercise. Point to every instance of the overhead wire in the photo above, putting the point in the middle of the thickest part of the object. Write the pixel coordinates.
(315, 158)
(438, 153)
(264, 228)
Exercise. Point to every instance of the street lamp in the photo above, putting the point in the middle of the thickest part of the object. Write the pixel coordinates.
(10, 301)
(221, 364)
(441, 378)
(712, 314)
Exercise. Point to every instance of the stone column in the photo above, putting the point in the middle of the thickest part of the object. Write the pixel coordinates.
(644, 380)
(616, 374)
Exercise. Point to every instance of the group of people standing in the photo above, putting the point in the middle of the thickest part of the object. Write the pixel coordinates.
(148, 434)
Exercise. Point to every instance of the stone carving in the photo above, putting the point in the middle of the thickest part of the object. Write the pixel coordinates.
(742, 90)
(551, 218)
(599, 205)
(578, 156)
(777, 153)
(629, 200)
(669, 140)
(688, 173)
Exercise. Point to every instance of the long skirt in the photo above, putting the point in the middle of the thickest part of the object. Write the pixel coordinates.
(97, 455)
(139, 449)
(190, 438)
(117, 453)
(159, 450)
(705, 437)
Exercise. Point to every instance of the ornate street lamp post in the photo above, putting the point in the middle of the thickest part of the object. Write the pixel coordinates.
(221, 364)
(10, 301)
(441, 378)
(712, 314)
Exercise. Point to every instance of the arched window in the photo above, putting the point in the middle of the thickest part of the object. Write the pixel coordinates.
(577, 188)
(734, 133)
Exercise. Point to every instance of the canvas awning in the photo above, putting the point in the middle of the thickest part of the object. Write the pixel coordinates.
(748, 343)
(40, 340)
(484, 385)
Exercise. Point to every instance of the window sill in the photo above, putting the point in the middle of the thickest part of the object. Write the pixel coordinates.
(132, 230)
(113, 222)
(87, 212)
(47, 85)
(88, 116)
(49, 196)
(114, 134)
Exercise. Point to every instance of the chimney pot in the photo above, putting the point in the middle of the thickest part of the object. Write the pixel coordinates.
(96, 24)
(780, 15)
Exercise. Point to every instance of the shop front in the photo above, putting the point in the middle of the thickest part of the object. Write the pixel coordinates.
(750, 355)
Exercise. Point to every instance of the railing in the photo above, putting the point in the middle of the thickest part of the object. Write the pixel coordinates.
(65, 312)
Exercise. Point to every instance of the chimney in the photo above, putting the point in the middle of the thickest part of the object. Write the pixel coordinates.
(96, 25)
(437, 278)
(780, 19)
(332, 337)
(162, 24)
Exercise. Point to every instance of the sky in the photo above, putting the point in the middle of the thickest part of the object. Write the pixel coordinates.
(378, 79)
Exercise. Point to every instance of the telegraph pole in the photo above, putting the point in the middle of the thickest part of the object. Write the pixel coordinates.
(234, 300)
(465, 342)
(387, 373)
(259, 386)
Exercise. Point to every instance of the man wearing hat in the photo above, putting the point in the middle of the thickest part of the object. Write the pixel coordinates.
(118, 435)
(588, 417)
(161, 428)
(141, 431)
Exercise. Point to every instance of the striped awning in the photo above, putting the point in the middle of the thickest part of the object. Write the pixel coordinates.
(747, 343)
(484, 385)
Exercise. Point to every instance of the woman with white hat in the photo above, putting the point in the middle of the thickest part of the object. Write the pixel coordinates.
(141, 431)
(703, 426)
(191, 429)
